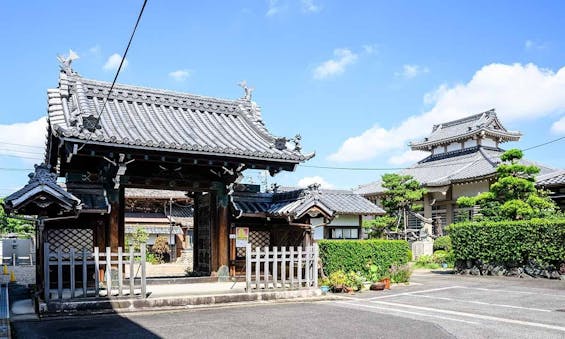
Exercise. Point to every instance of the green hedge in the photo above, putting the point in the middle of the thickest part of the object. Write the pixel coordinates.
(511, 243)
(353, 255)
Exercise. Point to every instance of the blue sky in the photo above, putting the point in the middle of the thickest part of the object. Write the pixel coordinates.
(357, 79)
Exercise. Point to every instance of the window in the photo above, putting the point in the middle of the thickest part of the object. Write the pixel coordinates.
(345, 233)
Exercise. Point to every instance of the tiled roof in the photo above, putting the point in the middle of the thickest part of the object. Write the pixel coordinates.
(556, 178)
(152, 229)
(485, 123)
(147, 118)
(136, 193)
(454, 167)
(296, 202)
(39, 193)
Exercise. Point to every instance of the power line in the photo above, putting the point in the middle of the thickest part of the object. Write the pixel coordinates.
(17, 156)
(103, 109)
(15, 169)
(543, 144)
(18, 151)
(22, 145)
(430, 166)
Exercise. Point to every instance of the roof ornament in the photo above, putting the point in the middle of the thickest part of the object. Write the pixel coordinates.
(280, 143)
(42, 175)
(313, 190)
(65, 62)
(247, 90)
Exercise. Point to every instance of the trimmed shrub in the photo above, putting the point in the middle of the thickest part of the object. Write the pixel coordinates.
(443, 243)
(510, 243)
(354, 255)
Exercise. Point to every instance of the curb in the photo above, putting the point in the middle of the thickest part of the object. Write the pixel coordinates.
(120, 306)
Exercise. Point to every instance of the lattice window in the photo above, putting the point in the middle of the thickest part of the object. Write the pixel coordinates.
(256, 239)
(65, 238)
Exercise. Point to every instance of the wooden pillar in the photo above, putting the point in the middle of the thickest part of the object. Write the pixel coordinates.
(220, 226)
(195, 245)
(223, 235)
(116, 226)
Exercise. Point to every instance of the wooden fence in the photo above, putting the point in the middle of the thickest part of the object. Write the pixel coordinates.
(121, 270)
(281, 268)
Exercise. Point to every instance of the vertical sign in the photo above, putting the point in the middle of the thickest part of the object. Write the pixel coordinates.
(241, 236)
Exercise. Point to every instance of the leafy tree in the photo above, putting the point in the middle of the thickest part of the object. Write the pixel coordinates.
(161, 248)
(514, 195)
(137, 238)
(13, 225)
(375, 228)
(402, 191)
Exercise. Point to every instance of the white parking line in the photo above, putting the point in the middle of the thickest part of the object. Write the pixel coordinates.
(482, 303)
(511, 291)
(413, 313)
(415, 292)
(472, 315)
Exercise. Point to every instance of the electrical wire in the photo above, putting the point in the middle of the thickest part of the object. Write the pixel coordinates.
(103, 109)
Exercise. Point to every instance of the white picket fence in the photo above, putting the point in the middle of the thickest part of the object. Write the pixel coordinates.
(281, 268)
(128, 268)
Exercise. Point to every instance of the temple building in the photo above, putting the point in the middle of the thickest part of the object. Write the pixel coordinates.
(103, 139)
(464, 154)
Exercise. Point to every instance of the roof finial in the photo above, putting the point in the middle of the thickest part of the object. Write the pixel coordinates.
(248, 90)
(65, 62)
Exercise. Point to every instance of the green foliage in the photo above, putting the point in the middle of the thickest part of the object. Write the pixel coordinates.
(426, 261)
(514, 195)
(375, 228)
(354, 280)
(443, 243)
(137, 238)
(401, 192)
(354, 255)
(161, 248)
(374, 273)
(400, 273)
(511, 243)
(152, 259)
(338, 278)
(23, 228)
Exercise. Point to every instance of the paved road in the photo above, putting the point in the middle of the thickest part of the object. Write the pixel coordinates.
(433, 306)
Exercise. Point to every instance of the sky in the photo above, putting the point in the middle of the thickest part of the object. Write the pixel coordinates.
(357, 79)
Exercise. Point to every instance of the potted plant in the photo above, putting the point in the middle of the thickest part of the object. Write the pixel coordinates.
(324, 285)
(338, 280)
(375, 277)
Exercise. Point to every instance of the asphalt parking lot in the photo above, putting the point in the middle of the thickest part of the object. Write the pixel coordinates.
(434, 305)
(474, 307)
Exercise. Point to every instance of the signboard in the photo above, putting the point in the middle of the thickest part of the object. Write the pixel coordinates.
(241, 236)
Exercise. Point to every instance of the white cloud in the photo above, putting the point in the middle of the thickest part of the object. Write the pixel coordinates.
(336, 66)
(273, 7)
(24, 139)
(407, 157)
(309, 6)
(180, 75)
(531, 45)
(412, 71)
(95, 50)
(518, 92)
(369, 49)
(306, 181)
(113, 62)
(558, 127)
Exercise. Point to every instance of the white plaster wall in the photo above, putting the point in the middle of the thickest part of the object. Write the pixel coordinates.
(345, 220)
(438, 150)
(488, 142)
(469, 190)
(453, 146)
(470, 143)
